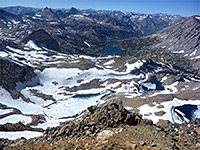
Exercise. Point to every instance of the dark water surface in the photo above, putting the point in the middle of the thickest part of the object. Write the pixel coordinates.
(111, 50)
(185, 112)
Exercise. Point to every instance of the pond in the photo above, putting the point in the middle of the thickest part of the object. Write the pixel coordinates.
(73, 106)
(111, 50)
(181, 69)
(185, 113)
(151, 84)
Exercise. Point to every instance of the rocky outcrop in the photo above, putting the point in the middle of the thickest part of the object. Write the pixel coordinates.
(18, 127)
(72, 11)
(12, 72)
(47, 13)
(42, 38)
(96, 119)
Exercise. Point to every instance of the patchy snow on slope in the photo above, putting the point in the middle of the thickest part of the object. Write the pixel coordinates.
(15, 119)
(3, 54)
(197, 17)
(178, 52)
(19, 134)
(109, 62)
(28, 57)
(5, 111)
(148, 112)
(87, 44)
(10, 60)
(31, 45)
(136, 65)
(24, 107)
(74, 106)
(169, 89)
(163, 79)
(128, 108)
(193, 53)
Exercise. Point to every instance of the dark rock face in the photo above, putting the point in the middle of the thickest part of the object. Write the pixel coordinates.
(47, 13)
(6, 17)
(60, 14)
(42, 38)
(4, 14)
(72, 11)
(96, 119)
(12, 72)
(18, 127)
(148, 66)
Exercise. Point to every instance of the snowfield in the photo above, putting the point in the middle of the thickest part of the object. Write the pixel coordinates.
(150, 111)
(61, 93)
(19, 134)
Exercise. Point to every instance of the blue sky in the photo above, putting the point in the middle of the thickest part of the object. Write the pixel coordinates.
(182, 7)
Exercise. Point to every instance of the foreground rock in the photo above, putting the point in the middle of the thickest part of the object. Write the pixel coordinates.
(95, 120)
(12, 72)
(111, 126)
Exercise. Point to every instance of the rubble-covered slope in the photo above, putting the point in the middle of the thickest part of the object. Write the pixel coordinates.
(111, 126)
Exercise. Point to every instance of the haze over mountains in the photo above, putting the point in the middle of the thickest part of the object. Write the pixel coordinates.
(56, 63)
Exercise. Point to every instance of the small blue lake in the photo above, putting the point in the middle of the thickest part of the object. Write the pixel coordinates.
(184, 113)
(111, 50)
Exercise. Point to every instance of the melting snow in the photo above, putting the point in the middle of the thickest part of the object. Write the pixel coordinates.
(87, 44)
(19, 134)
(197, 17)
(3, 54)
(133, 66)
(5, 111)
(193, 53)
(109, 62)
(146, 109)
(16, 119)
(31, 45)
(73, 106)
(179, 52)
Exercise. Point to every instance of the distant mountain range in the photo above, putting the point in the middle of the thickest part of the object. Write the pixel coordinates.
(72, 28)
(20, 10)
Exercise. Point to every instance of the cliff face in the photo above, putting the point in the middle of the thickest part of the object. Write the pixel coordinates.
(12, 72)
(42, 38)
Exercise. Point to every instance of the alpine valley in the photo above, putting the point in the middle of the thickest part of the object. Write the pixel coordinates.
(85, 76)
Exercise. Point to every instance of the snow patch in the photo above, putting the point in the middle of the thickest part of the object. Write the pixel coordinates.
(133, 66)
(193, 53)
(15, 119)
(3, 54)
(109, 62)
(150, 111)
(197, 17)
(19, 134)
(5, 111)
(179, 52)
(31, 45)
(87, 44)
